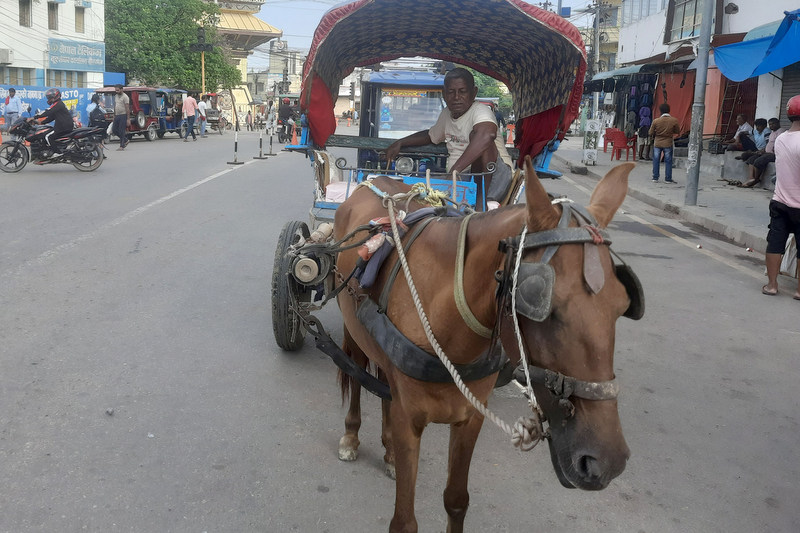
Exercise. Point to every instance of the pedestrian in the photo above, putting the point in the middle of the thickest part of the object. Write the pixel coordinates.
(271, 118)
(784, 208)
(742, 137)
(663, 130)
(758, 162)
(13, 109)
(189, 111)
(202, 107)
(249, 120)
(122, 113)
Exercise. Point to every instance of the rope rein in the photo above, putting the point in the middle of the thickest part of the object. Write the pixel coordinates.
(526, 432)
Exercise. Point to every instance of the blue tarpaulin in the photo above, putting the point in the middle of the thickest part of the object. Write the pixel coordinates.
(747, 59)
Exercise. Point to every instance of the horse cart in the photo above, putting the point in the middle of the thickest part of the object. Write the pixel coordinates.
(440, 300)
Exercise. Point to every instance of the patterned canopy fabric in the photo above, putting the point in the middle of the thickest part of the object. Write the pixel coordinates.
(537, 54)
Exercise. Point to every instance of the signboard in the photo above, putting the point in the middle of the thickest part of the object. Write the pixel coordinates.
(76, 55)
(76, 100)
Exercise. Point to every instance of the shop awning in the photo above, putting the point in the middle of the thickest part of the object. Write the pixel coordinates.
(624, 71)
(753, 57)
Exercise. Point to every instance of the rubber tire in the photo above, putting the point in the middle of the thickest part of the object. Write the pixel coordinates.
(23, 157)
(289, 333)
(182, 131)
(95, 163)
(141, 121)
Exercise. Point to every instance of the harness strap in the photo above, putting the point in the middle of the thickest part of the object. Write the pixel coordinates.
(383, 301)
(563, 387)
(458, 286)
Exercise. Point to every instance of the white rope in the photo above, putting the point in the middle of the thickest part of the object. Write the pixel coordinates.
(526, 433)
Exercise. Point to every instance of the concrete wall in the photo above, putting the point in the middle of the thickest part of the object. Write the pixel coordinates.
(769, 95)
(754, 13)
(642, 39)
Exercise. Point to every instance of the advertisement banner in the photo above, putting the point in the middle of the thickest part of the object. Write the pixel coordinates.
(76, 100)
(77, 55)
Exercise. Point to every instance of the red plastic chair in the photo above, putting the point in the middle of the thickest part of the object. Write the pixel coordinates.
(606, 140)
(619, 143)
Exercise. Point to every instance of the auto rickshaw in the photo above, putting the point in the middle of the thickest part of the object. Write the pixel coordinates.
(144, 109)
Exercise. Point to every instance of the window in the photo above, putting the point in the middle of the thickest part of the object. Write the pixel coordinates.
(13, 76)
(685, 20)
(79, 13)
(25, 13)
(52, 16)
(634, 10)
(27, 76)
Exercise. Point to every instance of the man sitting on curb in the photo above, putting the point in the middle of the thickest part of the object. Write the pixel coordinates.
(784, 208)
(758, 161)
(742, 138)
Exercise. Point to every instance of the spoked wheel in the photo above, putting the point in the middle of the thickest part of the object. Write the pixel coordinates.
(89, 158)
(289, 333)
(13, 157)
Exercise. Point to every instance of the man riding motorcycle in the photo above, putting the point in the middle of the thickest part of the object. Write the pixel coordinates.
(286, 118)
(57, 113)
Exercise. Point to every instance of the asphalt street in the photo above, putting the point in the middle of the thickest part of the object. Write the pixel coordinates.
(141, 389)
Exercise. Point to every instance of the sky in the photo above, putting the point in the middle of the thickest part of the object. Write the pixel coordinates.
(299, 18)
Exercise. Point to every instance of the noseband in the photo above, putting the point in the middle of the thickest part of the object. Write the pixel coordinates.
(534, 291)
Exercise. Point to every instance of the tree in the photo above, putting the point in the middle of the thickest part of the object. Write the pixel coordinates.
(149, 40)
(489, 87)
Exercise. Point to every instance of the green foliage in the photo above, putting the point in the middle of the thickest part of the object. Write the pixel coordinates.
(149, 40)
(489, 87)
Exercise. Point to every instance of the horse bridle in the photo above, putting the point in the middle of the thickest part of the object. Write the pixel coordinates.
(534, 298)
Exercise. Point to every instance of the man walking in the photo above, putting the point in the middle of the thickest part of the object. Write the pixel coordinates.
(122, 112)
(664, 129)
(784, 208)
(202, 106)
(189, 111)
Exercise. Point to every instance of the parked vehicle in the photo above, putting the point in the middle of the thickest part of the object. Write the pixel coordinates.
(80, 147)
(214, 117)
(144, 103)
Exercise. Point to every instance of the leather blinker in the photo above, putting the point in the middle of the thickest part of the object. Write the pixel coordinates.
(534, 298)
(633, 287)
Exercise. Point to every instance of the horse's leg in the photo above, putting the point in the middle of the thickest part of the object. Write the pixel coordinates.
(348, 444)
(405, 442)
(456, 497)
(386, 439)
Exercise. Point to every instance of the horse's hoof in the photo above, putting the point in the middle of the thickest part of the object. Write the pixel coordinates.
(348, 454)
(390, 471)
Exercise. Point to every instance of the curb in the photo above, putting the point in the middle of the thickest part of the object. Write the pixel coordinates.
(687, 213)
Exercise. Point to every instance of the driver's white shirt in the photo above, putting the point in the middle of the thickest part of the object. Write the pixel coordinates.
(455, 132)
(201, 106)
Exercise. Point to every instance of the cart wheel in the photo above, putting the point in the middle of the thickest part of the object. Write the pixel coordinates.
(289, 333)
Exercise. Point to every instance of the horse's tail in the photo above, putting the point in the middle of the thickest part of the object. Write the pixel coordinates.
(351, 348)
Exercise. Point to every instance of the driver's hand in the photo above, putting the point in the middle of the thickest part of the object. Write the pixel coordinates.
(393, 151)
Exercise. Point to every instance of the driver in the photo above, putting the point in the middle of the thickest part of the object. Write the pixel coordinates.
(470, 132)
(58, 113)
(285, 114)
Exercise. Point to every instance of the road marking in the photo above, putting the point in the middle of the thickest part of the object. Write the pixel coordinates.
(48, 256)
(725, 261)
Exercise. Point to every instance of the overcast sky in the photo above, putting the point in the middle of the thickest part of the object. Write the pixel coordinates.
(299, 18)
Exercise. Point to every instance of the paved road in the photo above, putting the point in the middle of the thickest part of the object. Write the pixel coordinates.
(141, 389)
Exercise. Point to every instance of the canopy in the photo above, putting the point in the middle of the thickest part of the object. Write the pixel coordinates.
(537, 54)
(750, 58)
(624, 71)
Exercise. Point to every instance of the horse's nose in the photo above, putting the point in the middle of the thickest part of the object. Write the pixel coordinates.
(589, 468)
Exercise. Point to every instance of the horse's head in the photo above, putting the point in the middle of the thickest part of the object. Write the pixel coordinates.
(569, 339)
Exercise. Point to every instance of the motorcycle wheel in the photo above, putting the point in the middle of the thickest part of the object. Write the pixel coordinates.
(91, 157)
(13, 157)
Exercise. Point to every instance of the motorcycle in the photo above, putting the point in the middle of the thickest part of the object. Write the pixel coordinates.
(284, 130)
(80, 147)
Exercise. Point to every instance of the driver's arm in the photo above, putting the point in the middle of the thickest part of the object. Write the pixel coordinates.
(128, 113)
(481, 138)
(421, 138)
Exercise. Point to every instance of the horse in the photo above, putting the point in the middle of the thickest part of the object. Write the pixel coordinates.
(574, 340)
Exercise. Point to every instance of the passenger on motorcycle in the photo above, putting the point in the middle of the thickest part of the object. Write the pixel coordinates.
(56, 113)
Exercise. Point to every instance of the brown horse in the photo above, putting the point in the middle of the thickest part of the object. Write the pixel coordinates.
(576, 339)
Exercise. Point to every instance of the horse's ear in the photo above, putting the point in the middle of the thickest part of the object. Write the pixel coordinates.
(541, 213)
(609, 194)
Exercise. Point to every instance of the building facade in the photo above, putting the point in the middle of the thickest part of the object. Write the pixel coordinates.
(53, 43)
(661, 37)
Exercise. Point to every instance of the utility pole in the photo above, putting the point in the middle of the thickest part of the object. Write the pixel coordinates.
(596, 54)
(202, 47)
(698, 106)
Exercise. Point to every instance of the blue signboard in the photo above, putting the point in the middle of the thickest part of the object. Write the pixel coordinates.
(77, 55)
(75, 99)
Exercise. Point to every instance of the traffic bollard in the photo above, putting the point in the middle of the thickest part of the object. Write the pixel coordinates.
(270, 146)
(236, 150)
(261, 154)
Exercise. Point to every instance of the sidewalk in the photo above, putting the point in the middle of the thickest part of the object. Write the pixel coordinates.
(741, 215)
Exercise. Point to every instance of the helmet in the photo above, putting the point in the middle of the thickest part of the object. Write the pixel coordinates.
(793, 106)
(52, 95)
(285, 100)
